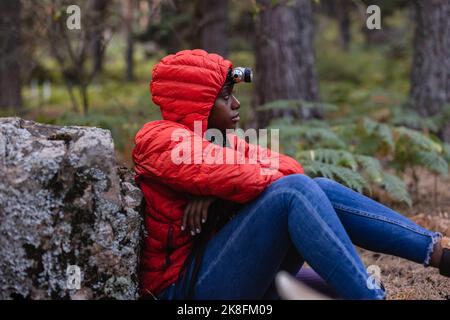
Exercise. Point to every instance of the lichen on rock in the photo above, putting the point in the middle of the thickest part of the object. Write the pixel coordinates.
(65, 202)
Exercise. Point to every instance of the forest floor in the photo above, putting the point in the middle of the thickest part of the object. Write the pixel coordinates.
(405, 280)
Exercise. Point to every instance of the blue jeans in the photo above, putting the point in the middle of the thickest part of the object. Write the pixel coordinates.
(298, 219)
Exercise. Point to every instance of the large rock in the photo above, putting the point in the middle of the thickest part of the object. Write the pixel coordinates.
(65, 207)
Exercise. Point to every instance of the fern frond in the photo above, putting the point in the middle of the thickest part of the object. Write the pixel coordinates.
(418, 139)
(371, 166)
(379, 133)
(369, 125)
(331, 156)
(385, 133)
(346, 176)
(280, 105)
(433, 162)
(410, 118)
(446, 152)
(312, 137)
(396, 188)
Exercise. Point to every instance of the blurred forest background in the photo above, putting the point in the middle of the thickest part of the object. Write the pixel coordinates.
(369, 108)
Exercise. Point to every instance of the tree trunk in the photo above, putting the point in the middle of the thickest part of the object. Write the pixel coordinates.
(98, 12)
(128, 29)
(339, 10)
(213, 25)
(285, 62)
(10, 84)
(430, 76)
(343, 15)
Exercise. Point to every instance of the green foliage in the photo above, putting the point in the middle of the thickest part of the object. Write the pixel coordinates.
(410, 118)
(413, 148)
(344, 175)
(395, 187)
(356, 171)
(350, 151)
(296, 105)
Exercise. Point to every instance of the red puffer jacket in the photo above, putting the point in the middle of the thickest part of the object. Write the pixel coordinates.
(185, 86)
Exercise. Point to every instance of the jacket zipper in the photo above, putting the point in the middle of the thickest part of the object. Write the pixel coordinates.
(169, 245)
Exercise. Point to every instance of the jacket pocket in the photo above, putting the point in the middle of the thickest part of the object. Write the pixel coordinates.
(169, 248)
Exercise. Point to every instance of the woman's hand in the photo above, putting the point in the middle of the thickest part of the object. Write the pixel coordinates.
(196, 213)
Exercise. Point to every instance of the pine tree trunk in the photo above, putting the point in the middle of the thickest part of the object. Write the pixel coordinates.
(128, 29)
(213, 25)
(98, 12)
(285, 62)
(10, 84)
(343, 15)
(430, 77)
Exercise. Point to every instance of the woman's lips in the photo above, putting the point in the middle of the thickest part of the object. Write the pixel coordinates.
(235, 118)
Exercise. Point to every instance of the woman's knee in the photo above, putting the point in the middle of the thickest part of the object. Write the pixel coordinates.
(300, 183)
(325, 183)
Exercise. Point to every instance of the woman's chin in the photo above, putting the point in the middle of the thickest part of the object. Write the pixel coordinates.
(233, 126)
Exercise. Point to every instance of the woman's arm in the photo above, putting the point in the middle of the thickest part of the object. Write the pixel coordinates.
(285, 164)
(154, 157)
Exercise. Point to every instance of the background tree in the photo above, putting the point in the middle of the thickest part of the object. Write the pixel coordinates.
(285, 62)
(128, 17)
(211, 19)
(171, 25)
(70, 48)
(339, 10)
(98, 10)
(430, 76)
(388, 8)
(10, 82)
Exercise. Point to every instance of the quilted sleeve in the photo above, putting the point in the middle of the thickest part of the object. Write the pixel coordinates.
(268, 158)
(184, 161)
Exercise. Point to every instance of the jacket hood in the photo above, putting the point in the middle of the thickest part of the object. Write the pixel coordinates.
(185, 85)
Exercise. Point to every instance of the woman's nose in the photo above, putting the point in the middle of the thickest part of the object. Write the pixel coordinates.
(235, 104)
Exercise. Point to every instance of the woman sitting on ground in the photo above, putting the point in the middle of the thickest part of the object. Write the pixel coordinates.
(223, 230)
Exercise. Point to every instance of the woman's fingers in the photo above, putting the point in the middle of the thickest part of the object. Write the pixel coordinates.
(205, 211)
(195, 217)
(191, 218)
(186, 215)
(198, 216)
(196, 213)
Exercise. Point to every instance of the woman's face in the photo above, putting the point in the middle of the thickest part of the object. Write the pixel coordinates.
(225, 113)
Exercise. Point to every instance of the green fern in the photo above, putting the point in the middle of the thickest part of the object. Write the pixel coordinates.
(413, 148)
(346, 176)
(432, 161)
(280, 105)
(348, 149)
(372, 168)
(396, 188)
(330, 156)
(296, 105)
(308, 136)
(379, 133)
(417, 138)
(446, 152)
(410, 118)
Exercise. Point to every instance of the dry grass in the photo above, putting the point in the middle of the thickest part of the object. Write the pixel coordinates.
(405, 280)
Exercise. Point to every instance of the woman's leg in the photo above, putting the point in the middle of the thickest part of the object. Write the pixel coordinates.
(241, 261)
(292, 263)
(376, 227)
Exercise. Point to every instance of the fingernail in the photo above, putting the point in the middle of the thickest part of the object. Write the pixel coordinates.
(192, 233)
(182, 228)
(203, 220)
(198, 230)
